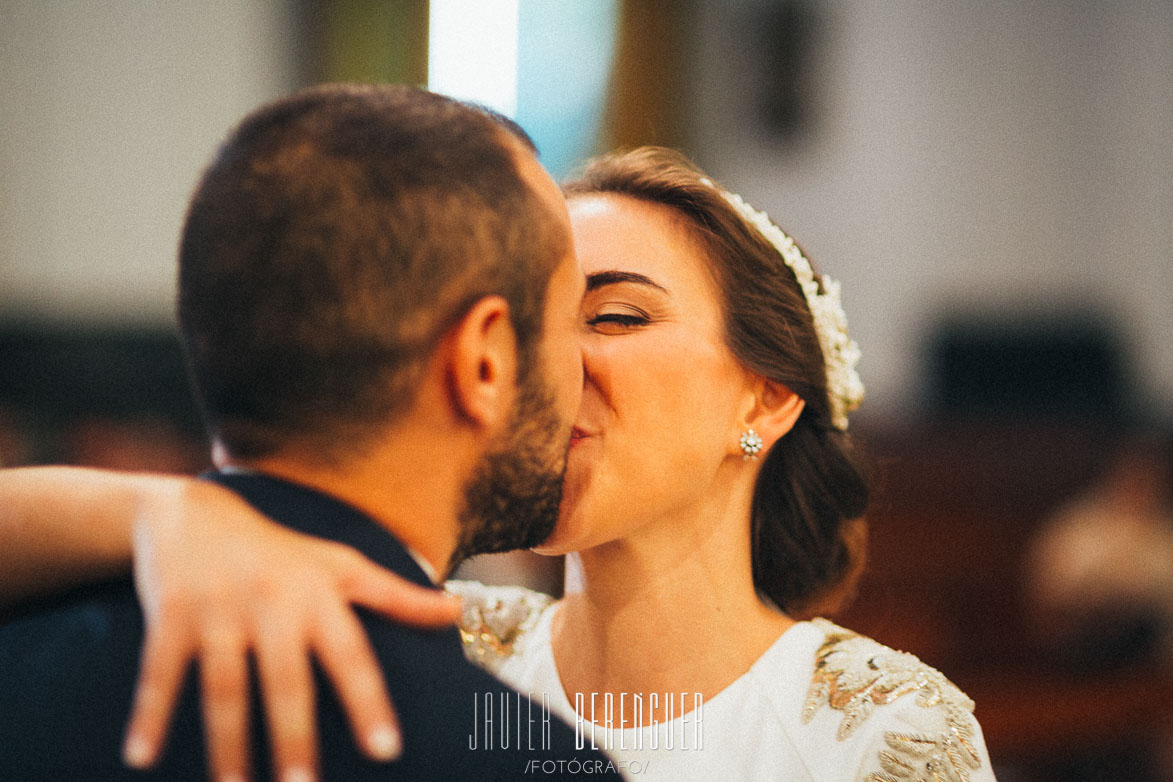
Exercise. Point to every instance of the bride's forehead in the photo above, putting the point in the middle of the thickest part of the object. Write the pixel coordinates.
(617, 209)
(619, 233)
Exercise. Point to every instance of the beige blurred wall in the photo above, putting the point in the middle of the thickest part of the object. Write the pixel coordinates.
(1000, 157)
(108, 112)
(1005, 156)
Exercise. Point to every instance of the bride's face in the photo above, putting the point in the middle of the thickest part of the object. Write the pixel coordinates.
(661, 390)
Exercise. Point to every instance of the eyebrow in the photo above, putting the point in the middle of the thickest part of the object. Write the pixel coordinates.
(600, 279)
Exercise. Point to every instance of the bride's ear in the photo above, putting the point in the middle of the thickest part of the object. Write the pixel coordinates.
(774, 411)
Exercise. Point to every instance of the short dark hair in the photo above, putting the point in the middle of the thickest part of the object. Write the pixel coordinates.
(808, 536)
(335, 238)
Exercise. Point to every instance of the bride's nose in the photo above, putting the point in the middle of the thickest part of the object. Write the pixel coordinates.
(592, 362)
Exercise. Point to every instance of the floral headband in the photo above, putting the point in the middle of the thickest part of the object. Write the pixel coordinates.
(840, 352)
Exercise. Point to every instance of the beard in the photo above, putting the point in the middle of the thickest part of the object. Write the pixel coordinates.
(513, 498)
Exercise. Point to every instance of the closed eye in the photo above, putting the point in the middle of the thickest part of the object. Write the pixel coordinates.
(618, 318)
(618, 321)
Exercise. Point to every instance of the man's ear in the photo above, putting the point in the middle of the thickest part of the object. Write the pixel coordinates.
(482, 363)
(773, 412)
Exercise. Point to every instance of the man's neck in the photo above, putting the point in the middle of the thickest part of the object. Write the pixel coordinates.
(416, 504)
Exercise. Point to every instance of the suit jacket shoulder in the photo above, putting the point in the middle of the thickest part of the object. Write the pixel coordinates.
(68, 669)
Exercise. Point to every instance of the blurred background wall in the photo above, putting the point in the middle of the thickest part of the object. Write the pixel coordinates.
(110, 110)
(997, 159)
(991, 181)
(1006, 159)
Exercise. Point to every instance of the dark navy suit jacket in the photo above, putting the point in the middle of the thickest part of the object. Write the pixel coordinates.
(68, 669)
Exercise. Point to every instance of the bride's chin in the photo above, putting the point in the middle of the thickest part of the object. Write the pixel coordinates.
(547, 550)
(555, 545)
(561, 540)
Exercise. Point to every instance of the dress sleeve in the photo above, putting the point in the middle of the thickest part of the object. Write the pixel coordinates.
(918, 742)
(495, 620)
(907, 721)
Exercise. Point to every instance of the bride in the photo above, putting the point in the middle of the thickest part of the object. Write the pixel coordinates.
(711, 499)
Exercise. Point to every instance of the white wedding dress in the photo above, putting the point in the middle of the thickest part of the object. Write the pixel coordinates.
(822, 704)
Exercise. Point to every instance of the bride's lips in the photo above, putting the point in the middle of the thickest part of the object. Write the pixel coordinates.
(577, 435)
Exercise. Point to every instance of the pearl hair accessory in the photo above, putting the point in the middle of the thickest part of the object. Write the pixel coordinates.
(840, 352)
(751, 444)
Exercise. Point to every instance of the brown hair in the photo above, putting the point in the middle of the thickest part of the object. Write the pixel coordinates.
(334, 239)
(812, 492)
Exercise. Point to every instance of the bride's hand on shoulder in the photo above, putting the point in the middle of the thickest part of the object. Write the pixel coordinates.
(217, 582)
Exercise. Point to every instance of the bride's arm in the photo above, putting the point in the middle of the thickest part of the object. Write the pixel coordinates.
(65, 526)
(277, 594)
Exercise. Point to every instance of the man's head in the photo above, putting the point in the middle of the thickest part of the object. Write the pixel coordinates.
(334, 242)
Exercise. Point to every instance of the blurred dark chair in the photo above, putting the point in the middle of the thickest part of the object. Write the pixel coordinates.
(1056, 366)
(100, 396)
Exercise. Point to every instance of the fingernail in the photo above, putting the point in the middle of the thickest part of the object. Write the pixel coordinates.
(232, 776)
(136, 752)
(297, 774)
(384, 743)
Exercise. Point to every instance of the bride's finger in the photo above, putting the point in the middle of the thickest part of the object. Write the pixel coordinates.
(345, 654)
(224, 684)
(164, 663)
(380, 590)
(287, 687)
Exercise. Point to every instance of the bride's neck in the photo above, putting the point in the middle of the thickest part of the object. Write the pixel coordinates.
(668, 608)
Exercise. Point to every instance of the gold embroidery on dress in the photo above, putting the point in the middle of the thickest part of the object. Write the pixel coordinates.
(854, 675)
(915, 757)
(494, 619)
